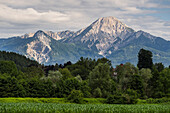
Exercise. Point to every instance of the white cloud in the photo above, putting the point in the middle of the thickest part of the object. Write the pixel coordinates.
(23, 16)
(20, 3)
(152, 25)
(30, 15)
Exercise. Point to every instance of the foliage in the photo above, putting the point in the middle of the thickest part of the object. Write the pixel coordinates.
(165, 80)
(33, 100)
(76, 96)
(11, 87)
(164, 100)
(20, 60)
(144, 59)
(33, 71)
(159, 66)
(155, 84)
(8, 67)
(65, 73)
(53, 76)
(124, 74)
(97, 93)
(130, 97)
(97, 78)
(72, 84)
(146, 75)
(78, 77)
(83, 108)
(158, 101)
(136, 84)
(100, 78)
(115, 99)
(85, 89)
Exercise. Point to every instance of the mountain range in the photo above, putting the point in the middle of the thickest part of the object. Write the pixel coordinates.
(106, 37)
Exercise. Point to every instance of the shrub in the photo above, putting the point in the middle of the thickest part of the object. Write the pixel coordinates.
(158, 100)
(115, 99)
(130, 97)
(76, 96)
(97, 93)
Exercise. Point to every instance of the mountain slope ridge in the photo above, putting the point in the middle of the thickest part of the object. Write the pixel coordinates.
(106, 37)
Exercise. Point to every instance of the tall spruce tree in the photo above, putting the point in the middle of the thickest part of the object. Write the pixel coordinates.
(145, 59)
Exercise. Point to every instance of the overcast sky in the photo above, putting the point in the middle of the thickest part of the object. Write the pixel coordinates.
(18, 17)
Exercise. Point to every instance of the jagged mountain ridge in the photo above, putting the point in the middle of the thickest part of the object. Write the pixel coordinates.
(45, 49)
(106, 37)
(40, 47)
(106, 31)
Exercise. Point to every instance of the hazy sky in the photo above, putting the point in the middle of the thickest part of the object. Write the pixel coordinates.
(18, 17)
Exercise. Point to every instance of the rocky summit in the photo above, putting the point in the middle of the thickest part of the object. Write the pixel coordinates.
(103, 34)
(106, 37)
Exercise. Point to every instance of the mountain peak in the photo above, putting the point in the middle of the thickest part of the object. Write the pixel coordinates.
(28, 35)
(110, 25)
(40, 47)
(109, 20)
(42, 37)
(39, 32)
(103, 34)
(106, 37)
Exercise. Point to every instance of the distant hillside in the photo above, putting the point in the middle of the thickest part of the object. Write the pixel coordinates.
(20, 60)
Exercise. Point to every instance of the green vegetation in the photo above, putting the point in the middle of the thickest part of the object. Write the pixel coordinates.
(20, 60)
(51, 100)
(80, 108)
(91, 105)
(33, 100)
(87, 78)
(76, 96)
(84, 100)
(145, 59)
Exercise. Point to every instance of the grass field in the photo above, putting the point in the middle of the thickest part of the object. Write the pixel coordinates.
(81, 108)
(93, 105)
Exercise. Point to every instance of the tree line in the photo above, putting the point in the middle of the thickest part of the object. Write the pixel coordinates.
(90, 78)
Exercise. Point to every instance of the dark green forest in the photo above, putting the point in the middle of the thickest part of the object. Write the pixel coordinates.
(87, 78)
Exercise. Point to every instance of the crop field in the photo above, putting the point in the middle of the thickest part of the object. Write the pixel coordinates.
(82, 108)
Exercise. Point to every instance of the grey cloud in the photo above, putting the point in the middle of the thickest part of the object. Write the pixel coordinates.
(149, 24)
(30, 15)
(57, 15)
(167, 24)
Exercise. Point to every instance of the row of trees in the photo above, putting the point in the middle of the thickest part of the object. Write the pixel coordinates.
(88, 78)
